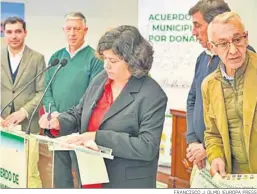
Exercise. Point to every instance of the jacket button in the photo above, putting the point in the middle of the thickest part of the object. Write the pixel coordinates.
(13, 91)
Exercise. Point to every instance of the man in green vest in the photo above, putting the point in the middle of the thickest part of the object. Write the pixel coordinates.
(230, 99)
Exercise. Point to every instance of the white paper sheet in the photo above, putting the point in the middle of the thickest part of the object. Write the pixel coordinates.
(92, 169)
(203, 179)
(90, 158)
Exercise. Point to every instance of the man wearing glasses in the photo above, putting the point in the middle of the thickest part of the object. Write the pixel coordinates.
(69, 86)
(202, 14)
(230, 99)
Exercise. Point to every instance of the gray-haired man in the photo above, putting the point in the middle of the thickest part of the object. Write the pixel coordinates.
(69, 86)
(203, 12)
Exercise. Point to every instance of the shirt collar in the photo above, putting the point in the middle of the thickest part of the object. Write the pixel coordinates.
(108, 84)
(211, 56)
(84, 45)
(208, 52)
(224, 74)
(19, 54)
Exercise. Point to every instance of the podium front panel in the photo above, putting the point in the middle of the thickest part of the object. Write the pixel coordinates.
(12, 161)
(25, 161)
(40, 164)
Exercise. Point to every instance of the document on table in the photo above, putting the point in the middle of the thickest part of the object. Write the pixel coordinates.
(236, 181)
(203, 179)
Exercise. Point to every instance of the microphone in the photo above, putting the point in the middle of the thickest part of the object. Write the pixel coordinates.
(62, 64)
(53, 63)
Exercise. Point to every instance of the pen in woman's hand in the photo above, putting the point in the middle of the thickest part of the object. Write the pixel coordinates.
(49, 115)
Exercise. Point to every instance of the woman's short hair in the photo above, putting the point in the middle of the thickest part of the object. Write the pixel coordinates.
(127, 42)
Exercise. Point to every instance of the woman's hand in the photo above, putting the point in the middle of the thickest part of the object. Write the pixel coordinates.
(45, 123)
(81, 139)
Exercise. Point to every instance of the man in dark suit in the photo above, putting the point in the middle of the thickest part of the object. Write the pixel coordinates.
(122, 109)
(20, 64)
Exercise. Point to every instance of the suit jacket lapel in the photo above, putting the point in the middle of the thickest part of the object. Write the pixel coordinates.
(5, 64)
(91, 101)
(25, 60)
(125, 98)
(249, 99)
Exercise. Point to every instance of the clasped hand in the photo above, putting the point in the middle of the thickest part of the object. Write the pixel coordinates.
(196, 154)
(52, 123)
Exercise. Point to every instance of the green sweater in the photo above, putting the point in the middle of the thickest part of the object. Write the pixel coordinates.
(72, 80)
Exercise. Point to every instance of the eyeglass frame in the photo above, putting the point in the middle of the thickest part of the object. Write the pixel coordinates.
(228, 43)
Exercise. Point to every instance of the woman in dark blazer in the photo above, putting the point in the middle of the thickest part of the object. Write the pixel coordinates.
(122, 109)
